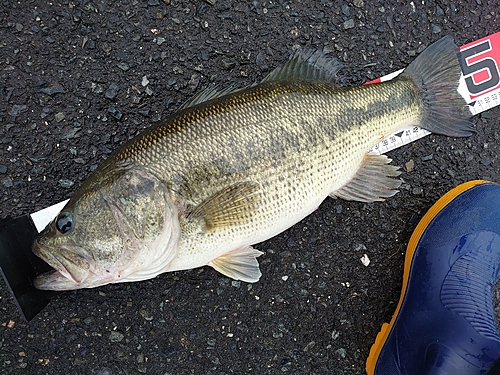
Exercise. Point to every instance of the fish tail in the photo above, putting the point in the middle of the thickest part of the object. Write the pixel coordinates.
(436, 72)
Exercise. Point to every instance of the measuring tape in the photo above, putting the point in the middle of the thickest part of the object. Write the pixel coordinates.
(479, 85)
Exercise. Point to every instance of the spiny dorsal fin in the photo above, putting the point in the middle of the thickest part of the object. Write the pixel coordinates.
(239, 264)
(373, 181)
(212, 92)
(233, 205)
(304, 65)
(307, 65)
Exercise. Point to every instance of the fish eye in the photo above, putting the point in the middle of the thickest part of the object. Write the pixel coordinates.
(65, 222)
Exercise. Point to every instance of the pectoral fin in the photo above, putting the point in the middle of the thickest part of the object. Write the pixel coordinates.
(373, 182)
(239, 264)
(233, 205)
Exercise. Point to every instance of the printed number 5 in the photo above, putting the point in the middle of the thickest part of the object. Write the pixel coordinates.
(486, 63)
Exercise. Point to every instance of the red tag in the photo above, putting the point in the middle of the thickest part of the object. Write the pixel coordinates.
(479, 61)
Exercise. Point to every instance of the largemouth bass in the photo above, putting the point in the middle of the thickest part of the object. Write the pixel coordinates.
(234, 168)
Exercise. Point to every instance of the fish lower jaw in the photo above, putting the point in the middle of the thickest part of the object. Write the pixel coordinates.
(57, 281)
(54, 281)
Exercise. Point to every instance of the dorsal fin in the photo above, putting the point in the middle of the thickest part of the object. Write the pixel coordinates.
(307, 65)
(304, 65)
(209, 93)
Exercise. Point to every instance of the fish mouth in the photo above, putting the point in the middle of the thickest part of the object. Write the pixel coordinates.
(71, 270)
(54, 281)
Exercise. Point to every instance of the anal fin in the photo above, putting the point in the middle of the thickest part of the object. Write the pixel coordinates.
(239, 264)
(374, 181)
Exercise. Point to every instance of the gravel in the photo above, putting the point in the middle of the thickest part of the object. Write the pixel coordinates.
(317, 308)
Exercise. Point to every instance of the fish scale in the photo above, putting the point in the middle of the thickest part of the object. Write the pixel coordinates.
(292, 121)
(234, 168)
(309, 121)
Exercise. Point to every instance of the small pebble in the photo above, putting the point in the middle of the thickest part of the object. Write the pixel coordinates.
(177, 70)
(359, 247)
(486, 161)
(436, 29)
(365, 260)
(104, 371)
(486, 115)
(409, 165)
(123, 66)
(116, 336)
(194, 81)
(6, 181)
(235, 284)
(71, 133)
(417, 190)
(3, 169)
(391, 25)
(52, 90)
(17, 109)
(341, 352)
(309, 346)
(227, 64)
(146, 314)
(171, 82)
(349, 24)
(97, 88)
(345, 10)
(66, 183)
(59, 116)
(112, 91)
(115, 113)
(427, 158)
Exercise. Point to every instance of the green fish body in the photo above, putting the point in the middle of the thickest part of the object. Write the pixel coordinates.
(234, 168)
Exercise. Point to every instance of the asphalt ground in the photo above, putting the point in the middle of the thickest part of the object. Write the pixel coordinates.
(78, 78)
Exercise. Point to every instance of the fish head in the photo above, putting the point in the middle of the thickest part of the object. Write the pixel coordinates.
(125, 230)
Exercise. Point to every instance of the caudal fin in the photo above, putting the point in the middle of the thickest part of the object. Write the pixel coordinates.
(436, 72)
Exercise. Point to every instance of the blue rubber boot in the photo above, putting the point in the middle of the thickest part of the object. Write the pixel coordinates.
(444, 322)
